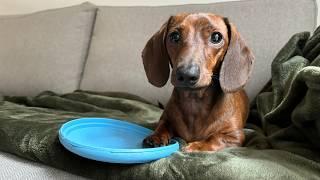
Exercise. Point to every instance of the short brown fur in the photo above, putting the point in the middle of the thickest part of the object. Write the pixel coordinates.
(211, 114)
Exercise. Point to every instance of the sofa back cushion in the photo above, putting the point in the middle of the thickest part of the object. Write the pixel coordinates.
(44, 50)
(114, 62)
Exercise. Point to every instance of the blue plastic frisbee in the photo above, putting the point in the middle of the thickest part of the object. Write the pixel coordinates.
(111, 140)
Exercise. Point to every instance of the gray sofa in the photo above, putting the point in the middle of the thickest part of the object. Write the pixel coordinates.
(98, 48)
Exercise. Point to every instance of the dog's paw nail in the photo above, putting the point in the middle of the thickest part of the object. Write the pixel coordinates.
(147, 143)
(155, 141)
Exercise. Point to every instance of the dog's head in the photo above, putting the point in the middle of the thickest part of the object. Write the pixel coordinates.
(198, 47)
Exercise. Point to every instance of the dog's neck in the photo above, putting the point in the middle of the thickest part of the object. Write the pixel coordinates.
(205, 96)
(196, 106)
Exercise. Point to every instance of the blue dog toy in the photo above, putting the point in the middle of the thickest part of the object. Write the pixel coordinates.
(110, 140)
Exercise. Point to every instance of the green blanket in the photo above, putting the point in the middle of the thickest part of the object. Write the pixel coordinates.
(282, 134)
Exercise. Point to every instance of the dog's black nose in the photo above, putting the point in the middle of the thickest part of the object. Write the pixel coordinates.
(188, 75)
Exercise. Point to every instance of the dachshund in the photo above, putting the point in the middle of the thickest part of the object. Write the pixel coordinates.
(211, 64)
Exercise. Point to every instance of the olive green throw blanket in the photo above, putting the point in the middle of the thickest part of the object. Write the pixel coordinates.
(282, 134)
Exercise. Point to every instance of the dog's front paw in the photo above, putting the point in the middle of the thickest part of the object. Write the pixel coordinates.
(155, 141)
(193, 147)
(199, 146)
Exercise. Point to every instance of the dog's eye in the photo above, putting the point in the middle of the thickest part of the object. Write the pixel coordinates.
(216, 37)
(174, 36)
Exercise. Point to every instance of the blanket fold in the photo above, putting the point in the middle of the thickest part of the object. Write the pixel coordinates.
(290, 111)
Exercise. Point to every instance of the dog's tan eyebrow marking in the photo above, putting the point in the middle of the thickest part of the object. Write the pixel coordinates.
(177, 28)
(210, 21)
(209, 27)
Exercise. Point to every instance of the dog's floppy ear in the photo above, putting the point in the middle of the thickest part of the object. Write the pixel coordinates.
(237, 64)
(156, 59)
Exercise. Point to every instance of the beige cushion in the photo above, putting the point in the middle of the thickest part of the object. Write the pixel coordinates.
(44, 50)
(114, 62)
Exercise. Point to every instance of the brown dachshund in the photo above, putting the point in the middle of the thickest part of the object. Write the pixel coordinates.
(210, 63)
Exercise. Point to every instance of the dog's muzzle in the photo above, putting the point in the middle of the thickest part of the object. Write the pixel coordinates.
(187, 76)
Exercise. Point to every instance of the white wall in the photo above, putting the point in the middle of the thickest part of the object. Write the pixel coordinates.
(27, 6)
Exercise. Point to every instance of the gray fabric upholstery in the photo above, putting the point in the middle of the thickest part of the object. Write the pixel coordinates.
(44, 50)
(114, 62)
(15, 168)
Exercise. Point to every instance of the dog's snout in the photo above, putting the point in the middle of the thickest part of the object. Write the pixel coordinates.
(188, 75)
